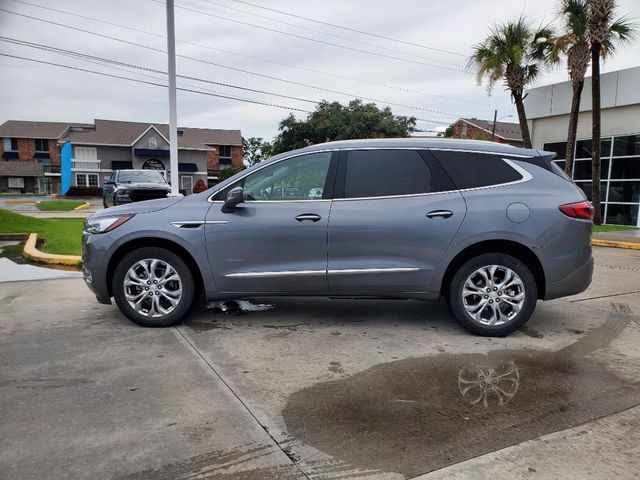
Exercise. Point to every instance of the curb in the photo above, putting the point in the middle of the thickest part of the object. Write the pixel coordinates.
(615, 244)
(31, 252)
(83, 206)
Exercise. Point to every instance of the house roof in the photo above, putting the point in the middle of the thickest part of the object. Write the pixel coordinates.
(25, 129)
(505, 130)
(111, 132)
(20, 169)
(114, 132)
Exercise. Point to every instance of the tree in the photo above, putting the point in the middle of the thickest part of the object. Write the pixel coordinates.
(600, 26)
(255, 149)
(226, 173)
(334, 121)
(574, 43)
(516, 52)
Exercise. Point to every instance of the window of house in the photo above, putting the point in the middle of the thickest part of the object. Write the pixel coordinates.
(10, 144)
(87, 180)
(15, 182)
(224, 150)
(559, 148)
(380, 173)
(42, 145)
(472, 170)
(626, 146)
(153, 142)
(86, 153)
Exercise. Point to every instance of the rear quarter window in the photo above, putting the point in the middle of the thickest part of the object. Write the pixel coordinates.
(473, 170)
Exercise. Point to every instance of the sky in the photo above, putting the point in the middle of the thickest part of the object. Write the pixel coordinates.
(418, 70)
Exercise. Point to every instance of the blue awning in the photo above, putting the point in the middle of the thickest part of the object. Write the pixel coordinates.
(187, 167)
(41, 155)
(121, 165)
(148, 152)
(10, 155)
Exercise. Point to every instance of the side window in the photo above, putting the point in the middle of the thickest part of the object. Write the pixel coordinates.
(472, 170)
(299, 178)
(380, 173)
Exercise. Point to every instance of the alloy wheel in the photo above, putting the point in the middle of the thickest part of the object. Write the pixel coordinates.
(152, 287)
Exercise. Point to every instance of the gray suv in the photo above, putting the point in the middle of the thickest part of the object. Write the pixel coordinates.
(490, 227)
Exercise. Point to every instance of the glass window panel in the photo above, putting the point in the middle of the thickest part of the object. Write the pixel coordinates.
(560, 148)
(622, 214)
(624, 192)
(81, 180)
(93, 180)
(298, 178)
(629, 145)
(587, 187)
(560, 163)
(582, 169)
(626, 168)
(583, 148)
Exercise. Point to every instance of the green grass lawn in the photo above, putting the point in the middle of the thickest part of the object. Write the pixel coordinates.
(58, 205)
(611, 228)
(60, 235)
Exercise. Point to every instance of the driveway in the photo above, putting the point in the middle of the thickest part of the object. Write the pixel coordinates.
(30, 209)
(318, 388)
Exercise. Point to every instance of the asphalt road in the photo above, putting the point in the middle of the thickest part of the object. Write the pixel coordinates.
(318, 388)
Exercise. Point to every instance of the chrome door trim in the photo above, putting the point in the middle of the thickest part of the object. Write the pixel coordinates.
(282, 273)
(196, 223)
(350, 271)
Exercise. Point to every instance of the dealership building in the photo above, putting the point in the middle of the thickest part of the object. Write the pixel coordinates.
(548, 111)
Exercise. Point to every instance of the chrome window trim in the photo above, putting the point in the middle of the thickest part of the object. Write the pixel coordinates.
(501, 154)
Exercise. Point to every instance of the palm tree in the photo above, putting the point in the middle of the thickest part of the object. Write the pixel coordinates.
(600, 25)
(513, 51)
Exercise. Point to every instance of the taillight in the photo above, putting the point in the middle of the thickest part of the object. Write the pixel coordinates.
(581, 210)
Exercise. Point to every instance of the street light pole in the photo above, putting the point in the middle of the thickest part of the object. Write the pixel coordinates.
(173, 114)
(493, 130)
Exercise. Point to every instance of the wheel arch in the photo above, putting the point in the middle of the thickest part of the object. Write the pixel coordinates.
(509, 247)
(169, 245)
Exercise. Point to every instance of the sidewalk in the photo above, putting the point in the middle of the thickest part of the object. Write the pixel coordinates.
(630, 236)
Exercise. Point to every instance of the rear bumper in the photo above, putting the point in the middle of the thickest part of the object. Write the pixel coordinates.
(574, 283)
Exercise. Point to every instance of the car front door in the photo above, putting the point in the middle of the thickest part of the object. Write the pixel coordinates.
(394, 213)
(276, 240)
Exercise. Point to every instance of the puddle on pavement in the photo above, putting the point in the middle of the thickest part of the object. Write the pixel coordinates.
(416, 415)
(12, 250)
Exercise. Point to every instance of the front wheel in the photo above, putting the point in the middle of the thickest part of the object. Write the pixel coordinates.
(153, 287)
(493, 294)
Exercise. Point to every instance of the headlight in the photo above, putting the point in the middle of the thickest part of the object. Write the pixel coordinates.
(104, 224)
(123, 191)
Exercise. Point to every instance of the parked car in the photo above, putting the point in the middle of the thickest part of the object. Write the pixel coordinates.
(127, 186)
(492, 228)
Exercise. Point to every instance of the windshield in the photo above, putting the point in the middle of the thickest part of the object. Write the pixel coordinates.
(140, 176)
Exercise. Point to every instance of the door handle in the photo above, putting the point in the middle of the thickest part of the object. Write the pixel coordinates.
(308, 217)
(440, 213)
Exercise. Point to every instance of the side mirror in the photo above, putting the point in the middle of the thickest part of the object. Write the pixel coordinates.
(234, 197)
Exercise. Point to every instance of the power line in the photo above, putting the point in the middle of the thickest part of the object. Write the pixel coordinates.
(341, 37)
(317, 40)
(231, 52)
(228, 97)
(350, 29)
(315, 87)
(115, 63)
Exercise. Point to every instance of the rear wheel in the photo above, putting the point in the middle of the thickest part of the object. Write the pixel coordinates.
(153, 287)
(493, 294)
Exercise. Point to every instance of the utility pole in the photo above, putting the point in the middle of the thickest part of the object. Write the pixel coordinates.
(493, 130)
(173, 114)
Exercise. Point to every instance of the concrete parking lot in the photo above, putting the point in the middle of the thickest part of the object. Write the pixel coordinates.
(319, 388)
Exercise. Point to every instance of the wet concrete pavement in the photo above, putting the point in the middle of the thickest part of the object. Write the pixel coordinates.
(318, 388)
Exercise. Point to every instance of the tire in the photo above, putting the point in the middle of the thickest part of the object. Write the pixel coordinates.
(104, 203)
(512, 310)
(168, 306)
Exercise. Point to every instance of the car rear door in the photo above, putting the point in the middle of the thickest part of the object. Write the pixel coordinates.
(394, 213)
(276, 241)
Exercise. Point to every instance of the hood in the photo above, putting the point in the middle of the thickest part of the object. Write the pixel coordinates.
(147, 206)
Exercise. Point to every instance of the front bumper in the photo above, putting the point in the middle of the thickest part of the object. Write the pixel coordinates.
(94, 268)
(574, 283)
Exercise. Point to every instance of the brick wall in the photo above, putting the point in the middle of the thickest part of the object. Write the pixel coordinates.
(26, 149)
(471, 132)
(236, 158)
(54, 153)
(213, 160)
